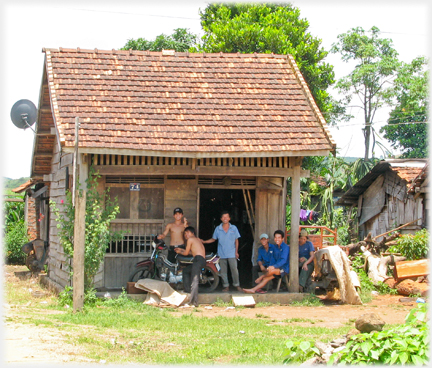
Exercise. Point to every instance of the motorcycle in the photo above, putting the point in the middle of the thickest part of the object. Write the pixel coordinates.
(158, 267)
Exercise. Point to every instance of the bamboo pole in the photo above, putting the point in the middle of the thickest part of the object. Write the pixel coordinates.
(400, 227)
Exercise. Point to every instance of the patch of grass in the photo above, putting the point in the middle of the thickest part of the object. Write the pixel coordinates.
(309, 300)
(260, 315)
(295, 319)
(220, 303)
(265, 304)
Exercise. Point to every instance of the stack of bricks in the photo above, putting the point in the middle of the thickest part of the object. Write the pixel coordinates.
(32, 217)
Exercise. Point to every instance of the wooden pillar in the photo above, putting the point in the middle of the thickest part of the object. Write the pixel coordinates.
(80, 197)
(295, 225)
(79, 246)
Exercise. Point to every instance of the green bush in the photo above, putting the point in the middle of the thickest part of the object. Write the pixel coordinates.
(412, 246)
(15, 237)
(15, 233)
(407, 344)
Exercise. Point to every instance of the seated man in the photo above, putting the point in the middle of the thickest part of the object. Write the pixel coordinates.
(306, 260)
(279, 263)
(265, 252)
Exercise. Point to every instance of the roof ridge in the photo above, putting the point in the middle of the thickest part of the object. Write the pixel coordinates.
(176, 53)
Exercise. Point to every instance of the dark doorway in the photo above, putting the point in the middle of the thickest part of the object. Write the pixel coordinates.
(212, 203)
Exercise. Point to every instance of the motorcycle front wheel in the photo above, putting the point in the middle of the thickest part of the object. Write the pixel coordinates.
(140, 273)
(209, 281)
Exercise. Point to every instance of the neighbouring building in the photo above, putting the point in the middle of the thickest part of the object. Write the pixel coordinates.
(392, 194)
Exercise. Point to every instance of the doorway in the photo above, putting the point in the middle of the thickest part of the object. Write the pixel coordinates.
(211, 203)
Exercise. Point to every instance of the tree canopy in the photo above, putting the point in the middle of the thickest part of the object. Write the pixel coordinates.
(269, 28)
(181, 40)
(411, 91)
(371, 79)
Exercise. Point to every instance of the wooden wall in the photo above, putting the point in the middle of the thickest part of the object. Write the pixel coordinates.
(270, 211)
(58, 268)
(183, 193)
(389, 192)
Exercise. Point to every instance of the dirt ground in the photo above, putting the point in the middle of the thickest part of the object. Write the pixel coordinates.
(28, 343)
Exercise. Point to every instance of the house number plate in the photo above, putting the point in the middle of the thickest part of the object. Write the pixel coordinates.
(134, 187)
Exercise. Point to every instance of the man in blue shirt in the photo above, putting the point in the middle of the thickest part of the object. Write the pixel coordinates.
(264, 255)
(279, 264)
(227, 236)
(306, 260)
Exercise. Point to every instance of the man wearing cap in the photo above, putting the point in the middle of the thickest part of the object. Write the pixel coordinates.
(279, 263)
(227, 235)
(264, 255)
(176, 231)
(306, 260)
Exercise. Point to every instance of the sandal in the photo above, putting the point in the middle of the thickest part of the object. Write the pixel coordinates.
(225, 290)
(261, 291)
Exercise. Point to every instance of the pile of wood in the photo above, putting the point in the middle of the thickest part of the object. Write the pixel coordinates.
(409, 277)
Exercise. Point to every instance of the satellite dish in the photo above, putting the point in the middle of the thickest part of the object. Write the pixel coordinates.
(23, 114)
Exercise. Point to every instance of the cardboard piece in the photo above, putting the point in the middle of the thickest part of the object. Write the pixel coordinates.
(245, 301)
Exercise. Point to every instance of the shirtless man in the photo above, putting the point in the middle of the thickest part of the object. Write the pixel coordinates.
(191, 273)
(176, 230)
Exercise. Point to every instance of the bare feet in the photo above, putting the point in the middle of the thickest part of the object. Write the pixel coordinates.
(249, 291)
(225, 290)
(239, 288)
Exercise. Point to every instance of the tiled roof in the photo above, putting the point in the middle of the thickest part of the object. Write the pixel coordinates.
(221, 103)
(407, 173)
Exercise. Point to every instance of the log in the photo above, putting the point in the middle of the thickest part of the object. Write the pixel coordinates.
(409, 269)
(410, 287)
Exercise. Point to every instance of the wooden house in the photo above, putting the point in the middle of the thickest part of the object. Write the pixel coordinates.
(204, 132)
(387, 198)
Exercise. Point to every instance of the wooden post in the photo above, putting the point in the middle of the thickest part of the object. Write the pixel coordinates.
(81, 167)
(295, 225)
(78, 256)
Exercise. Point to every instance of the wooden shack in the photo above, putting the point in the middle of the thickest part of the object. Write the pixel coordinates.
(204, 132)
(386, 197)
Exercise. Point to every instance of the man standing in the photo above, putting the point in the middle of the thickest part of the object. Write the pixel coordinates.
(306, 260)
(191, 273)
(265, 253)
(279, 264)
(176, 230)
(227, 236)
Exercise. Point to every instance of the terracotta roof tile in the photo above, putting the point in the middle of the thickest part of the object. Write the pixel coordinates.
(227, 103)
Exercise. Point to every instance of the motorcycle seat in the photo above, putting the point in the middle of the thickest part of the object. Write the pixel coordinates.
(189, 259)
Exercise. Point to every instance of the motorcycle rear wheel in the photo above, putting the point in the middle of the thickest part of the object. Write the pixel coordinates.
(209, 281)
(140, 273)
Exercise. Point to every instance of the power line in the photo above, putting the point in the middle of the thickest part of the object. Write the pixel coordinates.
(351, 125)
(127, 13)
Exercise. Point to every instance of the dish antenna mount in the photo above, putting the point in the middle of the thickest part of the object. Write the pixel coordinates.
(24, 114)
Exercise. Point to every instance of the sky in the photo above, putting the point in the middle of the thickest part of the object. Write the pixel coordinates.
(29, 26)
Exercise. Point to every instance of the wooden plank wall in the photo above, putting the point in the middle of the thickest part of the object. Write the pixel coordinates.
(270, 215)
(58, 270)
(373, 200)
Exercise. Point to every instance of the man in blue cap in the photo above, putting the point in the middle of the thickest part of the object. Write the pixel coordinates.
(264, 256)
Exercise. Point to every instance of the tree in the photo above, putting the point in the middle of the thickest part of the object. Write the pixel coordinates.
(181, 40)
(100, 211)
(269, 28)
(411, 90)
(376, 65)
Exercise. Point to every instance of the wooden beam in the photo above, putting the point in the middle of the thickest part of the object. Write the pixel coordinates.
(295, 226)
(132, 152)
(199, 170)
